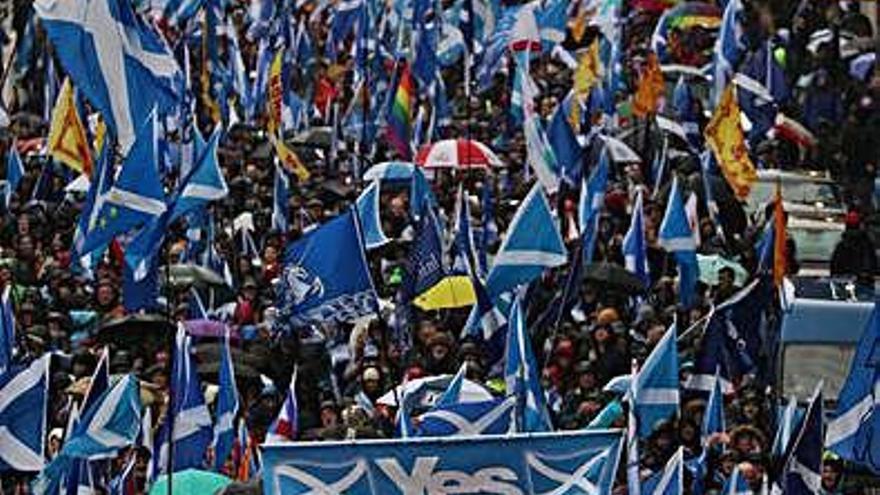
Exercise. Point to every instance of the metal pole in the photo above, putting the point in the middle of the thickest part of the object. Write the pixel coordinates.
(172, 338)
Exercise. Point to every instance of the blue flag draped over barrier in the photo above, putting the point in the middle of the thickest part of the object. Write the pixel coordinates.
(581, 462)
(326, 276)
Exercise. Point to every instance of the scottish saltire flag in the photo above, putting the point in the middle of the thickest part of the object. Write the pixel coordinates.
(77, 479)
(522, 375)
(488, 228)
(325, 276)
(23, 396)
(713, 417)
(656, 385)
(540, 154)
(345, 15)
(14, 173)
(851, 434)
(494, 417)
(135, 198)
(464, 256)
(670, 481)
(204, 184)
(486, 321)
(368, 212)
(634, 246)
(122, 67)
(562, 137)
(532, 244)
(192, 421)
(240, 80)
(424, 267)
(729, 48)
(685, 111)
(452, 394)
(99, 383)
(280, 195)
(124, 483)
(7, 330)
(736, 484)
(592, 197)
(788, 421)
(227, 407)
(285, 428)
(803, 465)
(675, 236)
(110, 424)
(761, 88)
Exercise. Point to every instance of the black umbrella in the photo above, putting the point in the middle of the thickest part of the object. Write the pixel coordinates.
(613, 277)
(136, 331)
(187, 274)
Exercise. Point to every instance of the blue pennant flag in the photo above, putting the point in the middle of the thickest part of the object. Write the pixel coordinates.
(325, 276)
(123, 68)
(134, 199)
(851, 434)
(736, 484)
(7, 330)
(494, 417)
(635, 247)
(713, 417)
(258, 90)
(532, 244)
(486, 322)
(522, 375)
(112, 423)
(204, 184)
(592, 198)
(670, 481)
(563, 140)
(192, 421)
(788, 421)
(23, 396)
(280, 198)
(227, 407)
(425, 261)
(803, 464)
(464, 253)
(371, 222)
(452, 394)
(656, 385)
(14, 173)
(676, 237)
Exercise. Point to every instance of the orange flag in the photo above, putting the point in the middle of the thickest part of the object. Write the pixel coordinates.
(651, 89)
(725, 138)
(67, 137)
(779, 238)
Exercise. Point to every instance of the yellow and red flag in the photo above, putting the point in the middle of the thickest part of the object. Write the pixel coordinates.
(725, 138)
(651, 88)
(289, 159)
(779, 239)
(67, 139)
(588, 71)
(275, 94)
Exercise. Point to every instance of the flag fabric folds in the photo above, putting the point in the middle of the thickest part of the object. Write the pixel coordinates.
(656, 385)
(533, 244)
(67, 141)
(23, 396)
(650, 89)
(325, 276)
(7, 330)
(285, 427)
(803, 465)
(522, 375)
(725, 138)
(400, 113)
(713, 417)
(368, 212)
(280, 198)
(492, 417)
(676, 237)
(851, 434)
(635, 247)
(227, 407)
(424, 266)
(592, 199)
(14, 173)
(122, 66)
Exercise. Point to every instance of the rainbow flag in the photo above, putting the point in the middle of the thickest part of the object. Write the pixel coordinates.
(400, 116)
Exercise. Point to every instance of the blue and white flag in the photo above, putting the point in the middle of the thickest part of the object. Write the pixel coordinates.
(204, 184)
(452, 394)
(371, 222)
(852, 433)
(761, 88)
(463, 247)
(7, 330)
(280, 197)
(686, 112)
(552, 16)
(635, 248)
(227, 407)
(424, 268)
(112, 423)
(121, 65)
(285, 427)
(522, 376)
(713, 417)
(77, 479)
(486, 322)
(729, 48)
(670, 481)
(656, 385)
(803, 466)
(592, 198)
(532, 244)
(192, 421)
(325, 276)
(736, 484)
(788, 421)
(14, 173)
(488, 228)
(99, 383)
(345, 15)
(135, 198)
(240, 80)
(494, 417)
(563, 140)
(675, 236)
(23, 396)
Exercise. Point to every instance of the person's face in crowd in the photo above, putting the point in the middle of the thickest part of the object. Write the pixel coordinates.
(830, 476)
(23, 225)
(587, 380)
(5, 276)
(654, 334)
(371, 386)
(725, 280)
(727, 465)
(744, 444)
(106, 295)
(26, 248)
(601, 334)
(688, 433)
(439, 352)
(751, 410)
(398, 207)
(160, 380)
(54, 445)
(270, 255)
(329, 417)
(427, 329)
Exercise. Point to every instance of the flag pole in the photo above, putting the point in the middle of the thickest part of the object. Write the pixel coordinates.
(172, 337)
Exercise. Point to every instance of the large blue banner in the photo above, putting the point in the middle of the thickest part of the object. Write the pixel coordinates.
(560, 463)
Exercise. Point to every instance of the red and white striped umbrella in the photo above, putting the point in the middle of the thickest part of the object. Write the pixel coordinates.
(460, 154)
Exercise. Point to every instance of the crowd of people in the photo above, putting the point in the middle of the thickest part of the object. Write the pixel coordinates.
(61, 303)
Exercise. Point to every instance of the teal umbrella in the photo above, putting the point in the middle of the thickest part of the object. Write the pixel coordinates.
(710, 264)
(191, 481)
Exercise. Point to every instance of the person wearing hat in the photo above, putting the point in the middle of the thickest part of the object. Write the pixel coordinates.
(854, 254)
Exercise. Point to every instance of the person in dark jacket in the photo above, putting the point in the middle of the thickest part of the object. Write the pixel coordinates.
(854, 254)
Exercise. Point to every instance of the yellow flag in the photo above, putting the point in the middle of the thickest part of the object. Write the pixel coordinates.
(67, 137)
(650, 90)
(725, 138)
(100, 133)
(588, 71)
(289, 158)
(275, 92)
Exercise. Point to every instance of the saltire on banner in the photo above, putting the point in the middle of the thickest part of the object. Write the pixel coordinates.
(123, 68)
(368, 212)
(676, 237)
(7, 330)
(635, 247)
(591, 201)
(570, 462)
(23, 400)
(656, 385)
(522, 376)
(325, 276)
